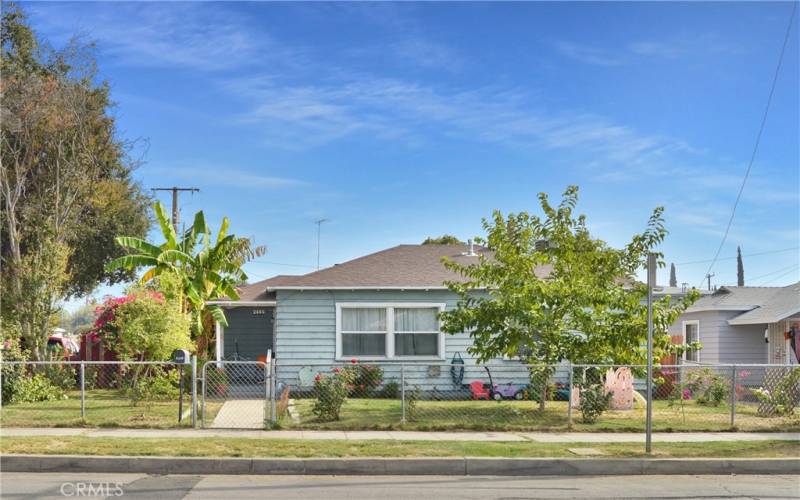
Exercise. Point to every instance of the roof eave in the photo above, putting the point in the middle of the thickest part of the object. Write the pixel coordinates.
(761, 321)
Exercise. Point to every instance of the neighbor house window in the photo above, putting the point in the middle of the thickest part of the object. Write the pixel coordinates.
(691, 333)
(389, 331)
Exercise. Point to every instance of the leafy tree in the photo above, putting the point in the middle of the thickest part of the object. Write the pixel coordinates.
(64, 178)
(587, 308)
(445, 239)
(739, 267)
(205, 270)
(673, 279)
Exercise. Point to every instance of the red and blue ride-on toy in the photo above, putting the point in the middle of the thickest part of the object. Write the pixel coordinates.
(498, 392)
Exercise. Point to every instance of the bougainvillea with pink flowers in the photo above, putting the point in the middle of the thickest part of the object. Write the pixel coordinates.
(142, 325)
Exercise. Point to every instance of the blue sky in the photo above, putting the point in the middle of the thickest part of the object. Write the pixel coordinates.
(400, 121)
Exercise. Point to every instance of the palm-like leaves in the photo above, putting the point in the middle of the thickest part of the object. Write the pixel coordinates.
(207, 271)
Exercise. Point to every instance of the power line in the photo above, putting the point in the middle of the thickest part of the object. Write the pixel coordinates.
(734, 258)
(175, 191)
(758, 137)
(755, 278)
(776, 278)
(280, 263)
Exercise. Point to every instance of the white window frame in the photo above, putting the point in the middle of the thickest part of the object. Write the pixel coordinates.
(696, 323)
(390, 307)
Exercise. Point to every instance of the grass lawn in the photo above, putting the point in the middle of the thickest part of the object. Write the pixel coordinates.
(104, 408)
(252, 448)
(382, 414)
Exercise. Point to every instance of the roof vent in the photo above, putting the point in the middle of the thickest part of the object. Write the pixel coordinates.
(470, 249)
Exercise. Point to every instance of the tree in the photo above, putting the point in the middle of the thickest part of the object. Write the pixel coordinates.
(205, 271)
(739, 267)
(445, 239)
(64, 178)
(586, 309)
(673, 279)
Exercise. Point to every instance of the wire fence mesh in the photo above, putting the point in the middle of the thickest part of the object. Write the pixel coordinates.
(103, 394)
(502, 396)
(519, 397)
(241, 393)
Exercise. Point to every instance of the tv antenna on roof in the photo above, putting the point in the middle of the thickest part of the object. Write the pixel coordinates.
(319, 222)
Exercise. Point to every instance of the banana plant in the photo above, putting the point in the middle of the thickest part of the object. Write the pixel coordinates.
(207, 270)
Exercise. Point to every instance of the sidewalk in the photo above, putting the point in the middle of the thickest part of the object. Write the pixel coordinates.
(539, 437)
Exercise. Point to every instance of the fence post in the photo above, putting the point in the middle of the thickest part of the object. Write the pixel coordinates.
(273, 384)
(569, 398)
(203, 397)
(194, 392)
(403, 394)
(83, 390)
(733, 396)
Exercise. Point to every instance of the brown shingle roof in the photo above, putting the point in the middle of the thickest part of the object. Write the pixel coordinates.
(403, 266)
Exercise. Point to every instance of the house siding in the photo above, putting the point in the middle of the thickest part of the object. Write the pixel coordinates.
(306, 336)
(724, 343)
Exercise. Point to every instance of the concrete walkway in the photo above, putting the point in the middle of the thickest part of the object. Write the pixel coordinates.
(540, 437)
(240, 414)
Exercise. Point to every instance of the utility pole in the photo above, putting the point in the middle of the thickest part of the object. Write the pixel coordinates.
(319, 222)
(708, 277)
(651, 282)
(175, 191)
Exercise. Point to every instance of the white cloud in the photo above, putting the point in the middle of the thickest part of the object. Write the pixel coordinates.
(222, 175)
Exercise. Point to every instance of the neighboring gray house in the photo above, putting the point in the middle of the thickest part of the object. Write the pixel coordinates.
(378, 308)
(742, 325)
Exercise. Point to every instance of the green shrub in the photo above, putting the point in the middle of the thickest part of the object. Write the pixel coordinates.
(391, 390)
(708, 387)
(330, 392)
(784, 396)
(63, 376)
(11, 374)
(155, 386)
(37, 388)
(412, 398)
(594, 401)
(364, 379)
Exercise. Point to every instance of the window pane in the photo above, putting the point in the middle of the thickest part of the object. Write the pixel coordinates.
(416, 319)
(361, 344)
(416, 344)
(366, 319)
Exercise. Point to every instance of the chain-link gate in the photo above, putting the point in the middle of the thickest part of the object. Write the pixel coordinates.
(237, 395)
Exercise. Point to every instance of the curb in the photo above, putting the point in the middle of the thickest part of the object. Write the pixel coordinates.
(399, 466)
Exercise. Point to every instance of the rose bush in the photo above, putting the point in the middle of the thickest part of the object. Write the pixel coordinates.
(331, 391)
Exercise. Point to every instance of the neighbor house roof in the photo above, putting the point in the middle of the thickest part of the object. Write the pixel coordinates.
(784, 302)
(400, 267)
(758, 304)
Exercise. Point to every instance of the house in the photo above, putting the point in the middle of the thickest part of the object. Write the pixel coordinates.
(742, 325)
(381, 307)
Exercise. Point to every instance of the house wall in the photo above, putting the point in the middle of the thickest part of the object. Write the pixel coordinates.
(306, 336)
(723, 343)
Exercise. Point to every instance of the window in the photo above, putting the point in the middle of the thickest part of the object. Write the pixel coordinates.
(416, 331)
(691, 333)
(363, 331)
(388, 331)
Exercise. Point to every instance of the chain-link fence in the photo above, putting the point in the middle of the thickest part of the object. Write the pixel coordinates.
(96, 393)
(512, 396)
(499, 396)
(242, 391)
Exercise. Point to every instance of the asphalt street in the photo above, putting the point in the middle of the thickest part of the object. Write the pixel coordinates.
(56, 485)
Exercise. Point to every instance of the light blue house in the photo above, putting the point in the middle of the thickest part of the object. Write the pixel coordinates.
(380, 308)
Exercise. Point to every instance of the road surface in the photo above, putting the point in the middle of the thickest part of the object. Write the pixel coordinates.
(125, 486)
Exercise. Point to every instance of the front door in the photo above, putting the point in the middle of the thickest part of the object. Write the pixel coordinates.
(249, 334)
